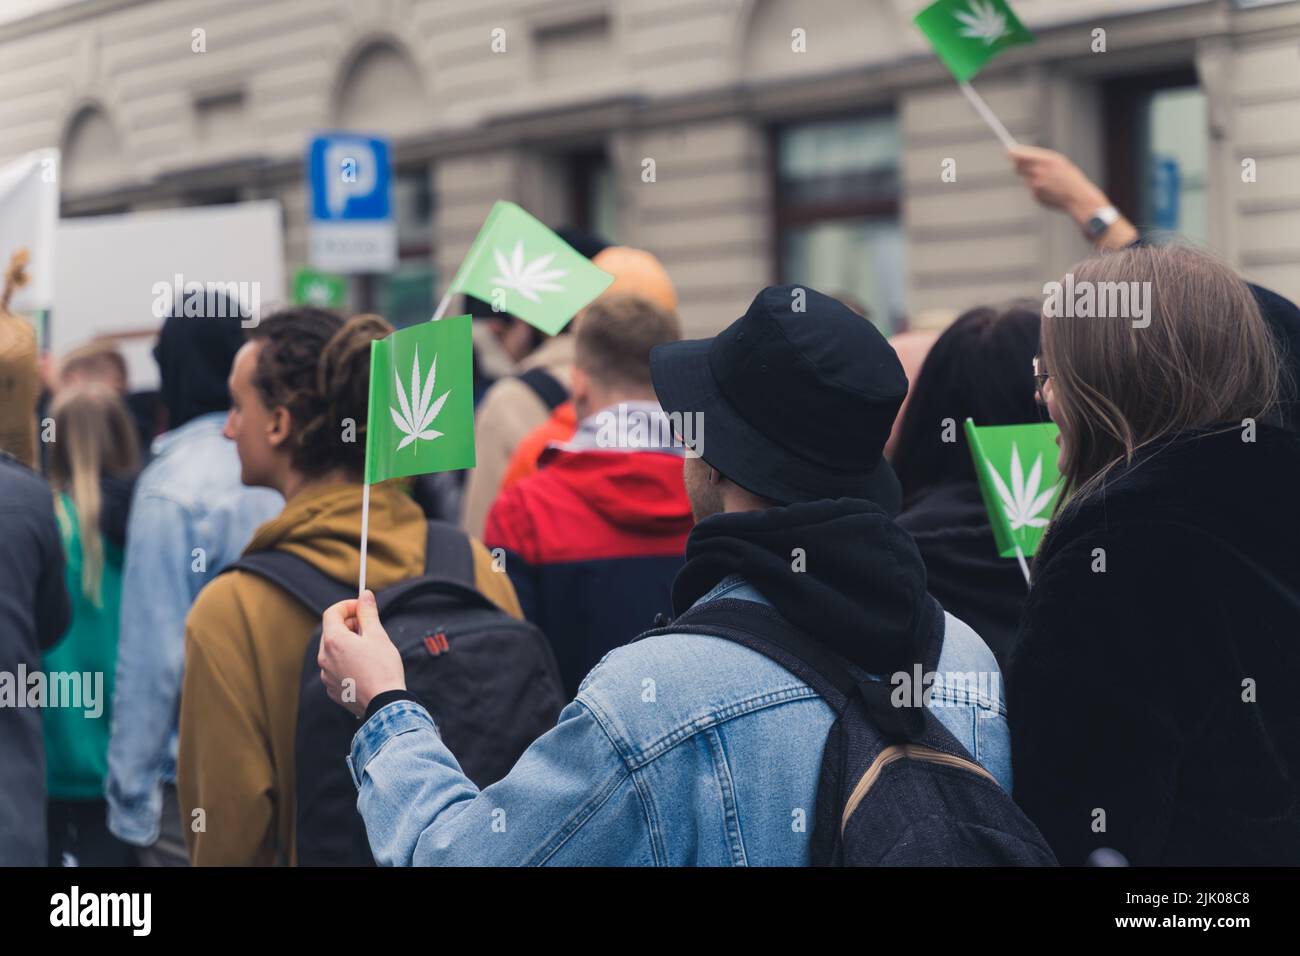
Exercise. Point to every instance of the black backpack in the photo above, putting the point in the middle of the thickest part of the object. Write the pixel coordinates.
(896, 787)
(490, 682)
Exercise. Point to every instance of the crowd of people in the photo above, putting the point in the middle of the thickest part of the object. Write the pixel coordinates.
(728, 610)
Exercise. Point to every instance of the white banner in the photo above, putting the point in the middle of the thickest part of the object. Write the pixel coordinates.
(119, 276)
(29, 210)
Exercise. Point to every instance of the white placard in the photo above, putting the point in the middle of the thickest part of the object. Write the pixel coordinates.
(110, 270)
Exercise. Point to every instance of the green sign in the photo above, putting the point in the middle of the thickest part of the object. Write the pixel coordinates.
(321, 289)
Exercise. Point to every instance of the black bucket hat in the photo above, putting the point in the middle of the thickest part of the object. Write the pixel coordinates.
(796, 399)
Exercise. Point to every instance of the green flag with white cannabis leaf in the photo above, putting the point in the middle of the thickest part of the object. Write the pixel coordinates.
(519, 266)
(1019, 502)
(421, 415)
(968, 33)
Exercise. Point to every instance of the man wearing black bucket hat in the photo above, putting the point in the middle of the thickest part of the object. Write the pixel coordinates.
(687, 748)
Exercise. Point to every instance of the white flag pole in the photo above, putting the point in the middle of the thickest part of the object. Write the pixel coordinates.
(1020, 556)
(442, 307)
(989, 117)
(365, 536)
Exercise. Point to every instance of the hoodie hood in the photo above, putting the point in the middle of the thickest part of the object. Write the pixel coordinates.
(323, 526)
(635, 491)
(965, 573)
(194, 355)
(861, 590)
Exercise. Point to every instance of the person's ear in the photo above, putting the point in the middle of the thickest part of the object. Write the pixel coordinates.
(580, 385)
(279, 426)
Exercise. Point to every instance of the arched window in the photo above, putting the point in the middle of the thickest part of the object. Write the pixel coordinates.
(381, 91)
(92, 152)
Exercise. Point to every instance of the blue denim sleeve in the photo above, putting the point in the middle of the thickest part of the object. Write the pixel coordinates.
(569, 800)
(158, 587)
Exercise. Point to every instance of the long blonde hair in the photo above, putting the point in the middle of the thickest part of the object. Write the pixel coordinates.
(93, 436)
(1206, 359)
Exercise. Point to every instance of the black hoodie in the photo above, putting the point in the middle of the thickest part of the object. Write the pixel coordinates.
(1152, 691)
(950, 526)
(194, 355)
(842, 571)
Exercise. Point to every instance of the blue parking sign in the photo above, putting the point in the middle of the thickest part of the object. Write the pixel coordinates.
(352, 227)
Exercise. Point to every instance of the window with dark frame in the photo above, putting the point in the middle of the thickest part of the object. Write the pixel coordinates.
(1157, 151)
(592, 199)
(836, 189)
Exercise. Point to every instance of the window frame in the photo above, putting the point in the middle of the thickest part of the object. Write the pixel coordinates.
(788, 215)
(1122, 98)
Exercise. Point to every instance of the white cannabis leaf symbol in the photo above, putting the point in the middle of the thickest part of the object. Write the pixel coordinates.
(1022, 503)
(417, 414)
(526, 278)
(982, 22)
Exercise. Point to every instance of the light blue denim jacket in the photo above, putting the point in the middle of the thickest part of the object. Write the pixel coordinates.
(189, 497)
(679, 750)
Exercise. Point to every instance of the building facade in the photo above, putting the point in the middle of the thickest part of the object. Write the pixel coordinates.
(744, 142)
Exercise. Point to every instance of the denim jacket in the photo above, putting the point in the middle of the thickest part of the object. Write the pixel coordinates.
(679, 750)
(190, 517)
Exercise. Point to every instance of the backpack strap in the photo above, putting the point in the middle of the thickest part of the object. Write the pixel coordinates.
(310, 585)
(449, 558)
(448, 554)
(545, 386)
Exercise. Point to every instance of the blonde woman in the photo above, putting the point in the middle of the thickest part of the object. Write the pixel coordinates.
(1151, 698)
(93, 461)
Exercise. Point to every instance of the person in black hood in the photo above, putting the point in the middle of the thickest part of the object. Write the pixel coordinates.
(980, 368)
(194, 354)
(1150, 694)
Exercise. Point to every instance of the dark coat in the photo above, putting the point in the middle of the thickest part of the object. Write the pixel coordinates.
(1160, 692)
(34, 614)
(950, 526)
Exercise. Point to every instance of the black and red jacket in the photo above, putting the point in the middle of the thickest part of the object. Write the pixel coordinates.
(593, 541)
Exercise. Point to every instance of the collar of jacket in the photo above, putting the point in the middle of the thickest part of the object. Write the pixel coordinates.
(627, 426)
(842, 571)
(323, 526)
(1214, 480)
(212, 421)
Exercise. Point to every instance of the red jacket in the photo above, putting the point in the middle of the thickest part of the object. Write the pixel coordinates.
(593, 541)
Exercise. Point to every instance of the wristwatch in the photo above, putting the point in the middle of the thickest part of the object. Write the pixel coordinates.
(1100, 221)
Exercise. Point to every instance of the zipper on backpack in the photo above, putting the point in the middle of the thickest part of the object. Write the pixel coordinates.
(896, 752)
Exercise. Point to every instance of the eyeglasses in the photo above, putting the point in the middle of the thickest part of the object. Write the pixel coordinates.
(1041, 375)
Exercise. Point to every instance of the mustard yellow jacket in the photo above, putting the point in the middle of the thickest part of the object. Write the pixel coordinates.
(244, 644)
